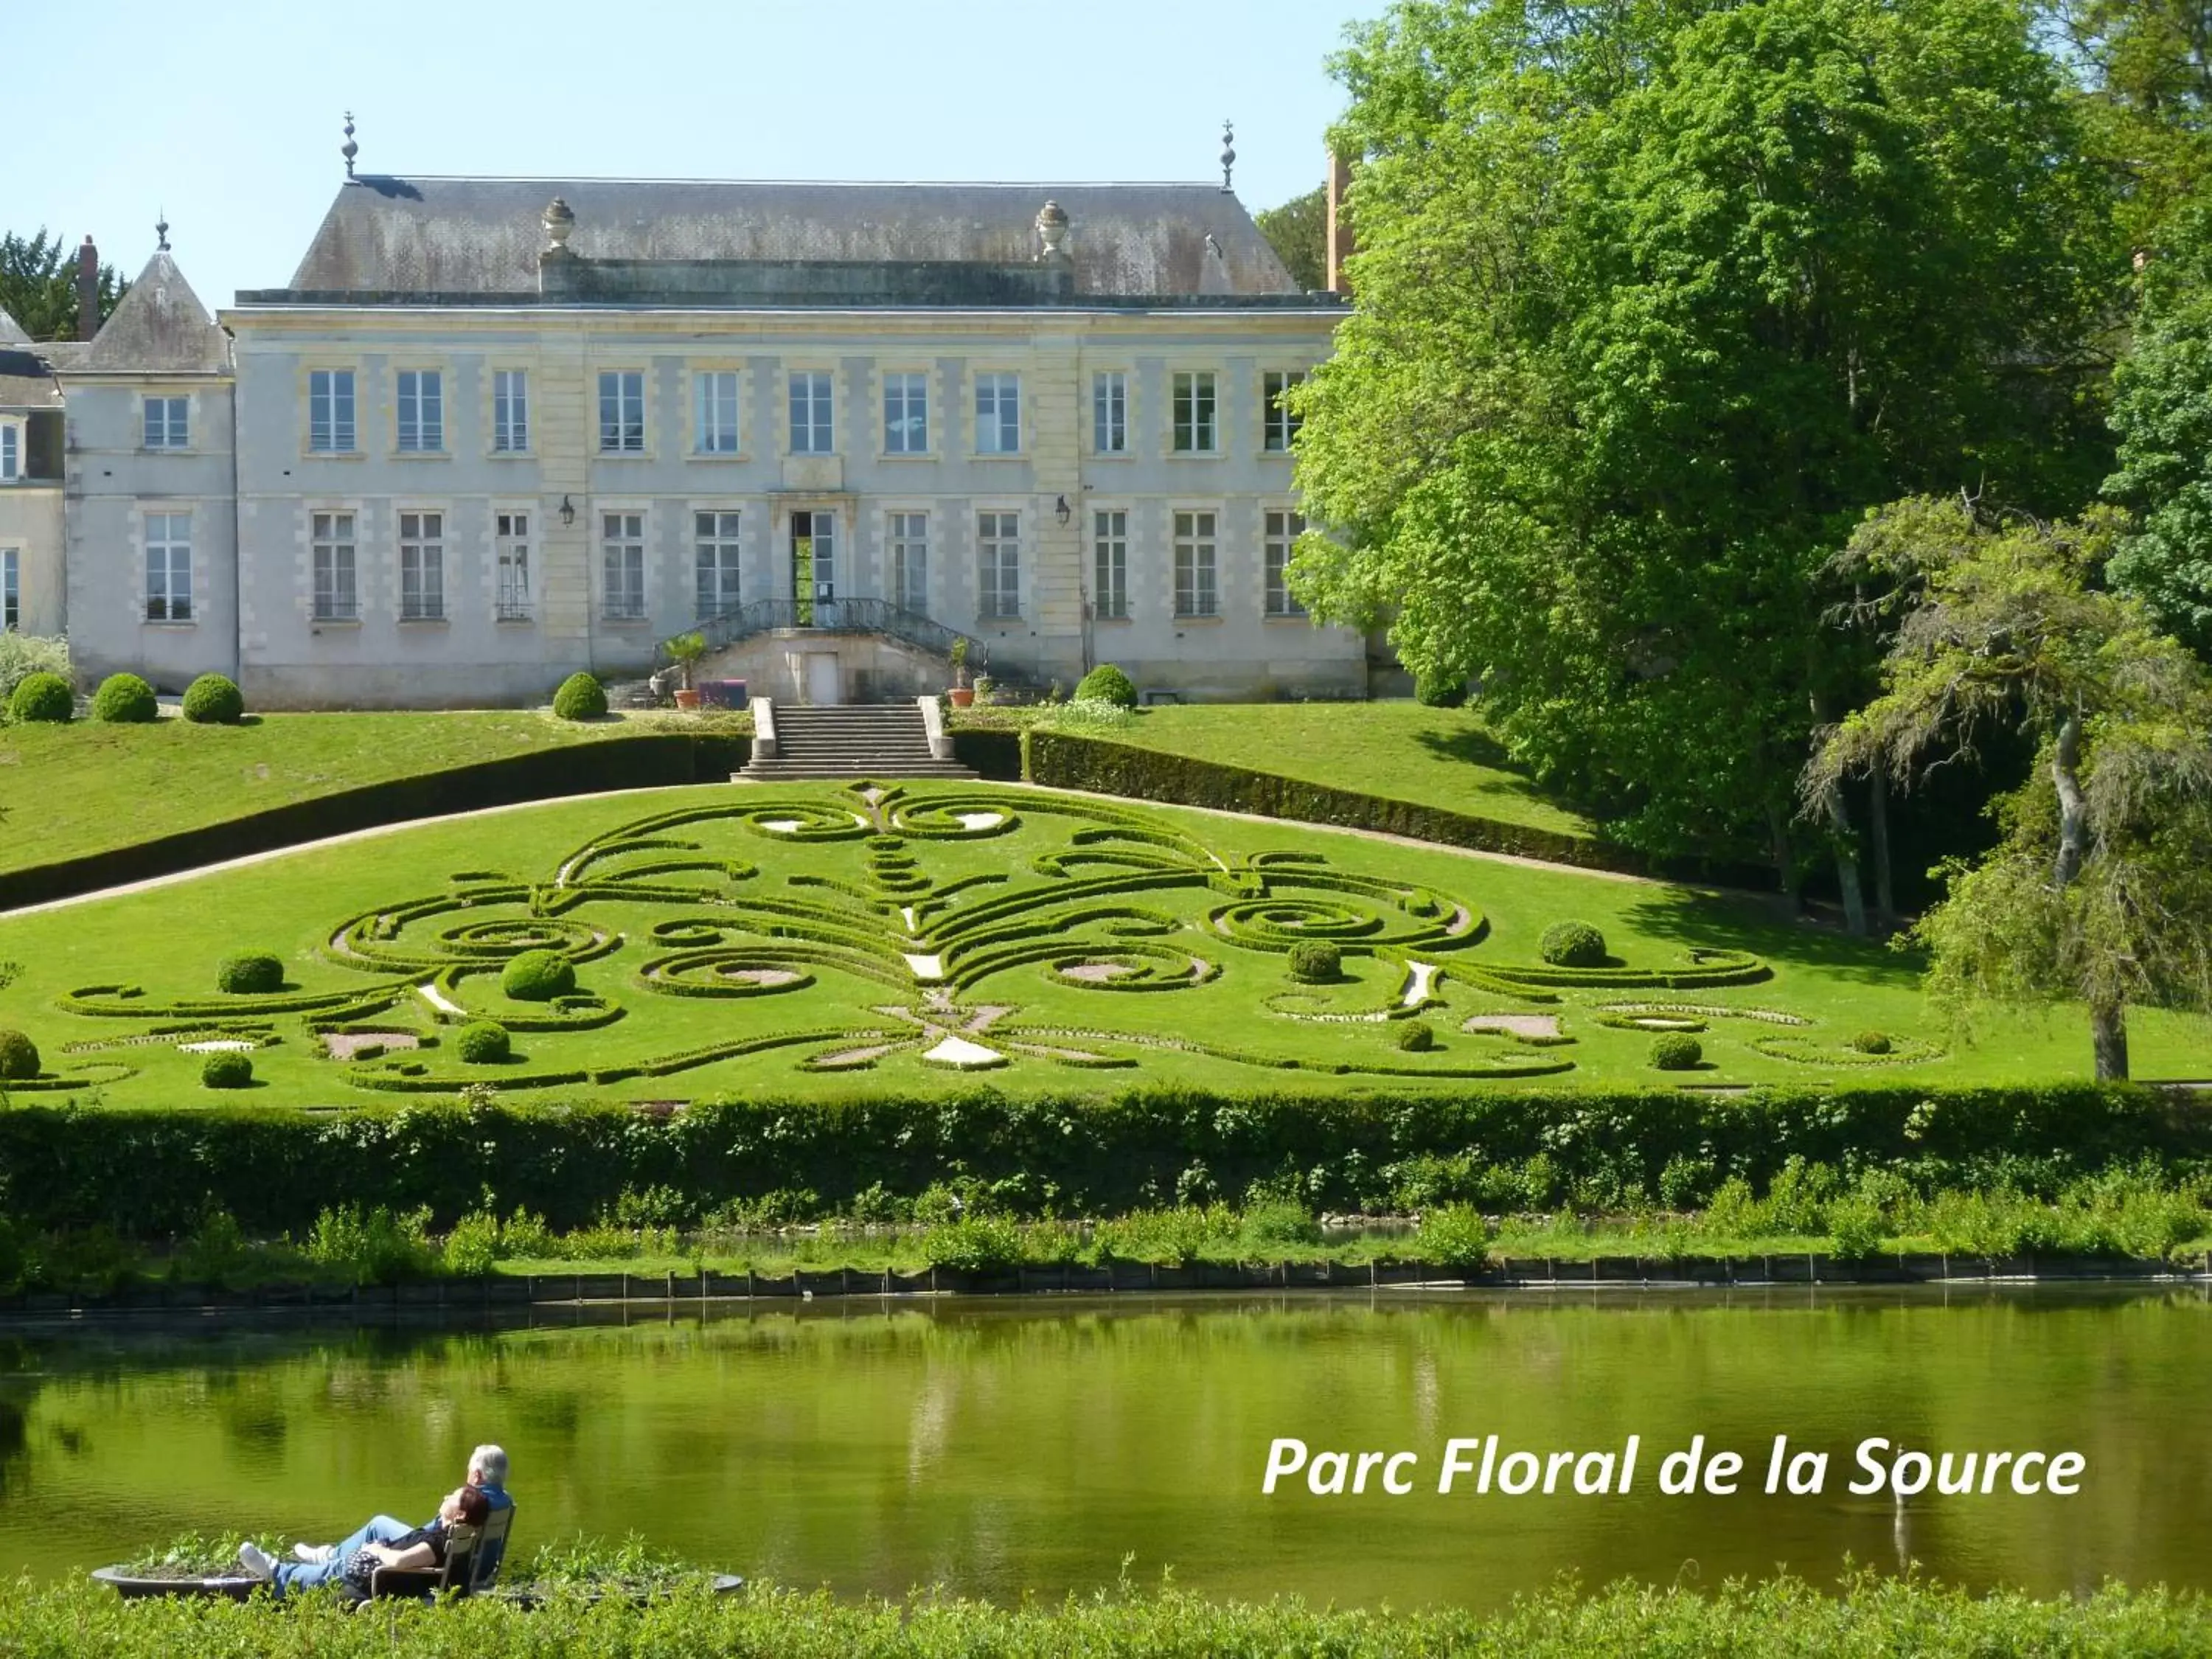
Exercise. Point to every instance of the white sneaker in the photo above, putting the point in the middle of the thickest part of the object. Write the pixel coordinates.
(313, 1555)
(257, 1560)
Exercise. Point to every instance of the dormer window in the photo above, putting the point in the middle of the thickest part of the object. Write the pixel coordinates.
(167, 422)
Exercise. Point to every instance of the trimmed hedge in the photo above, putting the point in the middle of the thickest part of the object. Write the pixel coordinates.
(250, 973)
(228, 1071)
(486, 1042)
(43, 697)
(19, 1057)
(125, 700)
(1572, 944)
(538, 976)
(150, 1173)
(1415, 1036)
(1107, 684)
(1677, 1051)
(212, 700)
(1315, 961)
(580, 697)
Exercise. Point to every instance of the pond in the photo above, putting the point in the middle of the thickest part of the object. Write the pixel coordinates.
(1003, 1447)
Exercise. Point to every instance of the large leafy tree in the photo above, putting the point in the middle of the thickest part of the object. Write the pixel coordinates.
(1298, 232)
(1654, 299)
(2100, 890)
(37, 285)
(2145, 70)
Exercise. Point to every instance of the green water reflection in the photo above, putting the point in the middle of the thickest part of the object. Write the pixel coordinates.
(997, 1449)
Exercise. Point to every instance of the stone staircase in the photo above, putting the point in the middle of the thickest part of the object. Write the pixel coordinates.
(886, 741)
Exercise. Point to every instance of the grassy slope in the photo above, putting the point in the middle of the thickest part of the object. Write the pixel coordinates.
(169, 940)
(1434, 757)
(87, 787)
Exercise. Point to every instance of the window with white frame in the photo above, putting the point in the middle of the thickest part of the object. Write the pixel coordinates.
(168, 566)
(998, 414)
(332, 538)
(1278, 543)
(714, 412)
(422, 567)
(909, 540)
(1197, 430)
(11, 451)
(621, 412)
(511, 546)
(906, 414)
(999, 565)
(1109, 412)
(622, 549)
(1282, 424)
(813, 432)
(330, 411)
(716, 537)
(510, 411)
(1196, 593)
(1110, 563)
(11, 596)
(422, 405)
(167, 422)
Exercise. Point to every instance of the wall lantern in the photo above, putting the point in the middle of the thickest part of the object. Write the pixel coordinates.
(568, 512)
(1059, 511)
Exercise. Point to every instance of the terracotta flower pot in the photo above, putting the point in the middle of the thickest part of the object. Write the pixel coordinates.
(687, 699)
(962, 695)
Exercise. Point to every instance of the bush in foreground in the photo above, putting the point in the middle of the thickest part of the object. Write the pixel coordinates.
(228, 1070)
(1415, 1036)
(42, 697)
(1572, 944)
(19, 1056)
(1107, 684)
(250, 973)
(1315, 962)
(580, 698)
(212, 700)
(1677, 1051)
(538, 976)
(484, 1043)
(125, 700)
(22, 655)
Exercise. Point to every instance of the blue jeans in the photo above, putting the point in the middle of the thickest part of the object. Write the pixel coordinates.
(307, 1574)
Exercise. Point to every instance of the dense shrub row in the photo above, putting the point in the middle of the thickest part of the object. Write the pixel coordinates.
(154, 1173)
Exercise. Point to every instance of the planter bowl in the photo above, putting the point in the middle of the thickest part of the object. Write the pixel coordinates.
(687, 699)
(962, 697)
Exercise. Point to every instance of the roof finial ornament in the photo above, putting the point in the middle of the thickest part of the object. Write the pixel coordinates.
(559, 219)
(349, 149)
(1052, 231)
(1228, 151)
(162, 231)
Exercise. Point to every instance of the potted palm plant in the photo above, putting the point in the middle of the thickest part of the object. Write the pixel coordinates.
(960, 694)
(684, 651)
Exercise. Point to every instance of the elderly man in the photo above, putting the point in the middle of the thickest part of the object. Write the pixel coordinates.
(323, 1563)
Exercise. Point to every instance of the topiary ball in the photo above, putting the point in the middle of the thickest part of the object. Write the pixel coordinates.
(484, 1043)
(1416, 1036)
(1872, 1043)
(226, 1071)
(538, 976)
(580, 698)
(1677, 1052)
(125, 700)
(211, 700)
(1572, 944)
(250, 973)
(1315, 962)
(42, 697)
(1107, 684)
(19, 1057)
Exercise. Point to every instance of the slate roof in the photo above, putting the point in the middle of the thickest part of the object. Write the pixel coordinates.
(11, 332)
(24, 382)
(481, 236)
(160, 326)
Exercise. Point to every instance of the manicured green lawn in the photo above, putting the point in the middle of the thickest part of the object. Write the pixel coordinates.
(1403, 750)
(86, 787)
(736, 937)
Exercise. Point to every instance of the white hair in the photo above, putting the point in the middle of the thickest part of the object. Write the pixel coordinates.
(490, 1462)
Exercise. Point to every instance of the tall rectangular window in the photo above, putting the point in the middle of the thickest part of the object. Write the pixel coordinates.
(11, 598)
(622, 547)
(621, 412)
(511, 542)
(906, 414)
(11, 452)
(1282, 425)
(330, 411)
(998, 414)
(714, 412)
(716, 537)
(1283, 531)
(999, 565)
(422, 567)
(1111, 559)
(332, 540)
(510, 411)
(422, 412)
(168, 566)
(168, 424)
(1109, 412)
(910, 539)
(812, 431)
(1196, 430)
(1196, 594)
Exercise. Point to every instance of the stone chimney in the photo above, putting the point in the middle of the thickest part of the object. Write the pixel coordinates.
(1339, 227)
(87, 290)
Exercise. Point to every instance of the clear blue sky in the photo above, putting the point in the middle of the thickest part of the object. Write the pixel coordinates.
(227, 115)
